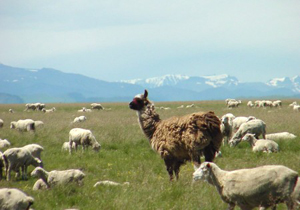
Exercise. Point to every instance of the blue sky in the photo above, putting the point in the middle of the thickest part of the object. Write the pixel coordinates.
(119, 40)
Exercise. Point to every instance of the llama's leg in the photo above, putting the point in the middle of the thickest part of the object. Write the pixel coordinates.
(209, 152)
(196, 161)
(177, 165)
(169, 167)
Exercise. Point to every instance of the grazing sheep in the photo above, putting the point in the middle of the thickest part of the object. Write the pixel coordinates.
(178, 139)
(292, 104)
(262, 186)
(233, 104)
(238, 121)
(277, 103)
(226, 127)
(4, 143)
(96, 106)
(190, 106)
(250, 104)
(79, 119)
(14, 199)
(39, 185)
(84, 137)
(55, 177)
(110, 183)
(53, 109)
(34, 149)
(281, 135)
(180, 107)
(11, 111)
(1, 123)
(66, 146)
(38, 123)
(16, 158)
(296, 107)
(23, 125)
(257, 127)
(261, 145)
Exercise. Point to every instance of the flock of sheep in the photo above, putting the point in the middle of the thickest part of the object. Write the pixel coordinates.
(176, 140)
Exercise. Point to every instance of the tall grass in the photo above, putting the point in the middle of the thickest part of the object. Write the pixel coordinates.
(126, 156)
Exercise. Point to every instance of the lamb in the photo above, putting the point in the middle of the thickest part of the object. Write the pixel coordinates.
(281, 135)
(238, 121)
(178, 139)
(257, 127)
(96, 106)
(84, 137)
(55, 177)
(4, 143)
(79, 119)
(66, 146)
(39, 185)
(262, 186)
(110, 183)
(226, 127)
(1, 123)
(14, 199)
(261, 145)
(23, 125)
(16, 158)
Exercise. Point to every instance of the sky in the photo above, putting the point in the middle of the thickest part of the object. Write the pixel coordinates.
(121, 40)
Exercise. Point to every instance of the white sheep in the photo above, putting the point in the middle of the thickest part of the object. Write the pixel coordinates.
(66, 145)
(82, 110)
(292, 104)
(296, 107)
(110, 183)
(1, 123)
(277, 103)
(23, 125)
(79, 119)
(96, 106)
(262, 186)
(56, 177)
(4, 143)
(226, 127)
(250, 104)
(16, 158)
(39, 185)
(14, 199)
(280, 135)
(84, 137)
(53, 109)
(257, 127)
(261, 145)
(180, 107)
(190, 106)
(238, 121)
(11, 111)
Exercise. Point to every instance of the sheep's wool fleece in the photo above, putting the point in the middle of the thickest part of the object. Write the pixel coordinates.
(176, 135)
(246, 185)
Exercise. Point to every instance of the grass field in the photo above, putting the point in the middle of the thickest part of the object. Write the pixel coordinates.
(125, 155)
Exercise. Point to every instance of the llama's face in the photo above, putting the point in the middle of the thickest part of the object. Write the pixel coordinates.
(139, 101)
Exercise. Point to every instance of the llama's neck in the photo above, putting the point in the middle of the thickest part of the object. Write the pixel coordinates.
(148, 120)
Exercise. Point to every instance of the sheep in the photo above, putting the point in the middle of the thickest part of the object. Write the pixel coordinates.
(16, 158)
(84, 137)
(96, 106)
(277, 103)
(292, 104)
(66, 145)
(53, 109)
(233, 104)
(110, 183)
(30, 106)
(281, 135)
(14, 199)
(296, 107)
(1, 123)
(190, 106)
(295, 197)
(180, 107)
(261, 145)
(226, 127)
(34, 149)
(4, 143)
(178, 139)
(11, 111)
(84, 110)
(250, 104)
(56, 177)
(263, 186)
(39, 185)
(79, 119)
(238, 121)
(38, 123)
(257, 127)
(23, 125)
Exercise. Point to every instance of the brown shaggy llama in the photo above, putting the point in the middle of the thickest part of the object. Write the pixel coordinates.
(179, 139)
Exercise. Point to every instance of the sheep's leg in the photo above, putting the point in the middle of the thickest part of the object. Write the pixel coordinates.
(169, 167)
(23, 172)
(7, 173)
(70, 147)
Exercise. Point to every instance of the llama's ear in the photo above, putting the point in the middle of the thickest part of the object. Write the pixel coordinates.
(145, 94)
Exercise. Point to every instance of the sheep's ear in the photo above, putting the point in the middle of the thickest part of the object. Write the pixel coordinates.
(145, 94)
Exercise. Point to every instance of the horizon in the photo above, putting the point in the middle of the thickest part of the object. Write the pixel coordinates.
(253, 41)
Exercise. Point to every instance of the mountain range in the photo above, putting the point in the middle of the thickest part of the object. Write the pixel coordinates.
(22, 85)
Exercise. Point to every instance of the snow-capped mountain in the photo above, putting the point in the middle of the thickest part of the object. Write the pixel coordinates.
(285, 82)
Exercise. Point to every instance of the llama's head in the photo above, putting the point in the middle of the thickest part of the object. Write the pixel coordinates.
(139, 101)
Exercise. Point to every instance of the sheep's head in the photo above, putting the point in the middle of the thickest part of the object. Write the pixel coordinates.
(234, 141)
(202, 172)
(248, 137)
(96, 147)
(13, 125)
(139, 101)
(37, 172)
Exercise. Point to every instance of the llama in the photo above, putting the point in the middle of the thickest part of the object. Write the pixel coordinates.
(178, 139)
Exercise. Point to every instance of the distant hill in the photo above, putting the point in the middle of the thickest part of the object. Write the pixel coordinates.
(21, 85)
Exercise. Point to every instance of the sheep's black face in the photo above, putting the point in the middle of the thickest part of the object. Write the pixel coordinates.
(136, 104)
